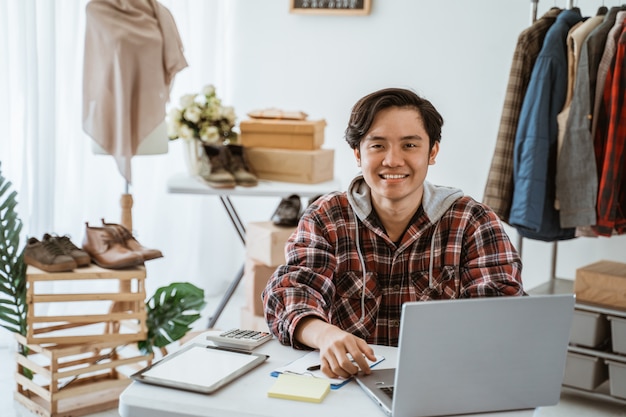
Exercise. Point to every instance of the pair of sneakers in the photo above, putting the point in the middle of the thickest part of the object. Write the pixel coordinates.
(54, 254)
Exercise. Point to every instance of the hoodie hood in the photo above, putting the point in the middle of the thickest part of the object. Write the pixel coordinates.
(436, 200)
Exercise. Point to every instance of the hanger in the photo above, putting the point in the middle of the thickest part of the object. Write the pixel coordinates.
(602, 10)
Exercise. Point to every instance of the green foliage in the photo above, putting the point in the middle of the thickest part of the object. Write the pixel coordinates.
(171, 311)
(13, 305)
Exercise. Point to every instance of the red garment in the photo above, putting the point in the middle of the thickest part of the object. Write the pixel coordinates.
(132, 52)
(612, 186)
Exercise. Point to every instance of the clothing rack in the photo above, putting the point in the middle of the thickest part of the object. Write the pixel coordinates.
(520, 239)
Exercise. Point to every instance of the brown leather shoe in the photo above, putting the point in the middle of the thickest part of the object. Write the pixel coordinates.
(107, 248)
(132, 243)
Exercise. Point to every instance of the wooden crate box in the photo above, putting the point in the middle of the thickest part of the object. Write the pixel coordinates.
(74, 380)
(113, 305)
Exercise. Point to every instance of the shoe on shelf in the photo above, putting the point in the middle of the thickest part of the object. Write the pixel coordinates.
(107, 248)
(238, 166)
(48, 256)
(214, 168)
(132, 243)
(287, 213)
(81, 257)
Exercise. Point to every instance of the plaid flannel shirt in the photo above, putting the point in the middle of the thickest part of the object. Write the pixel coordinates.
(471, 257)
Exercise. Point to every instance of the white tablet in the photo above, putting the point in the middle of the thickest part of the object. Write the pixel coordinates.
(199, 368)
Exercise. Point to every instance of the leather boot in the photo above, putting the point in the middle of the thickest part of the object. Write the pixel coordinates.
(107, 249)
(217, 176)
(239, 168)
(132, 243)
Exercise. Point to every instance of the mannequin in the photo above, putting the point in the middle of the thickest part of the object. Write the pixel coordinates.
(132, 53)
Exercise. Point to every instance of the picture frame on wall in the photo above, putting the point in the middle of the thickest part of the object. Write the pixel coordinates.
(338, 7)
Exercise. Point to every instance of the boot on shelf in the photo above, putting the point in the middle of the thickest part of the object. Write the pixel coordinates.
(132, 243)
(238, 166)
(107, 248)
(216, 173)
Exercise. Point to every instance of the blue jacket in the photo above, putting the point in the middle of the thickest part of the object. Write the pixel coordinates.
(534, 154)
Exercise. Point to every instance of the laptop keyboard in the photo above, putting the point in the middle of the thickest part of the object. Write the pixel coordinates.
(388, 391)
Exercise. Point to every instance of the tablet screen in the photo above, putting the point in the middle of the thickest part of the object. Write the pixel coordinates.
(199, 368)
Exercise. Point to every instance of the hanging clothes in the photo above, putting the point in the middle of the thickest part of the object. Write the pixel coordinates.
(576, 177)
(612, 186)
(534, 153)
(132, 53)
(499, 189)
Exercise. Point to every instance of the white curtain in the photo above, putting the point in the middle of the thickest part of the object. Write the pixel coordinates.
(62, 184)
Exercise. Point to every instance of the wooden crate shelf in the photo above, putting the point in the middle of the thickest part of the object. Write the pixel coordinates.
(122, 320)
(74, 380)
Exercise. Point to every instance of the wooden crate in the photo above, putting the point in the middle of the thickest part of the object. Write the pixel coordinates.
(117, 313)
(74, 380)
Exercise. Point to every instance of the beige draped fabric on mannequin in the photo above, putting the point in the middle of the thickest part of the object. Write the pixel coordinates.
(132, 53)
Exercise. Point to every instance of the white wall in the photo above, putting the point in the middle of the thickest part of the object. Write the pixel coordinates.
(456, 53)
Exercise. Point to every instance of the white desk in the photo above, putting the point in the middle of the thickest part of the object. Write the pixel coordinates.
(247, 396)
(184, 184)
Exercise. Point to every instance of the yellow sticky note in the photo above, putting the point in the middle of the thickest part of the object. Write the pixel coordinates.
(300, 388)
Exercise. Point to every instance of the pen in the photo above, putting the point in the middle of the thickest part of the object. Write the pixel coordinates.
(314, 368)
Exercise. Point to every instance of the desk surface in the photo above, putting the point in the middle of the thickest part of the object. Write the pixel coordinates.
(247, 396)
(182, 183)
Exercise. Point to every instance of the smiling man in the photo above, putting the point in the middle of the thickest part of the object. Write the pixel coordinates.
(393, 237)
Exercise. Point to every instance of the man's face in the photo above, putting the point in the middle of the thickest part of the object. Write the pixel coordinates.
(394, 156)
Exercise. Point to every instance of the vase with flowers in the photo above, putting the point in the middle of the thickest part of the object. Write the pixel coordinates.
(202, 120)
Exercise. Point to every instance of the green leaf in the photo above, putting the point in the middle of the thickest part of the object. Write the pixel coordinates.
(170, 313)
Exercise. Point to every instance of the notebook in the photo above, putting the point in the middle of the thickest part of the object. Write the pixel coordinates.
(476, 355)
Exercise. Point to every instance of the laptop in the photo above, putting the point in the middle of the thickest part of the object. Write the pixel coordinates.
(476, 355)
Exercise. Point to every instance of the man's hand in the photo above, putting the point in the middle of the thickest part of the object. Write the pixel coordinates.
(342, 354)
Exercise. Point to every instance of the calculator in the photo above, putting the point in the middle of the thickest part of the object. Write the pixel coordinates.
(240, 339)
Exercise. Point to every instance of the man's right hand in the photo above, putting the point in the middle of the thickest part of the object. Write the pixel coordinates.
(342, 354)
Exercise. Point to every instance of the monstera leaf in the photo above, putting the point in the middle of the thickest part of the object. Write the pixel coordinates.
(13, 305)
(171, 312)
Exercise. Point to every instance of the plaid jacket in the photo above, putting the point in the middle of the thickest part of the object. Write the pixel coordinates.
(499, 187)
(612, 187)
(462, 253)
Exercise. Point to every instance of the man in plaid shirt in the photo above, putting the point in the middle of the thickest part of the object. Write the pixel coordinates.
(393, 237)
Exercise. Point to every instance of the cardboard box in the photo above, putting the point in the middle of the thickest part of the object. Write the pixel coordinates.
(602, 283)
(265, 242)
(282, 134)
(255, 277)
(304, 167)
(251, 321)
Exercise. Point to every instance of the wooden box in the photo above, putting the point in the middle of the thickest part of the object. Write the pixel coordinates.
(282, 134)
(602, 283)
(74, 380)
(256, 276)
(304, 167)
(265, 242)
(116, 305)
